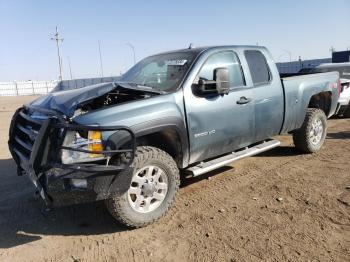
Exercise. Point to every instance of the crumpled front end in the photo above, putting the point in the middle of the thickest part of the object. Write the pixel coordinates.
(39, 145)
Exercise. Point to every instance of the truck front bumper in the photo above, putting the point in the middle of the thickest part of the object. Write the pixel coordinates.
(35, 144)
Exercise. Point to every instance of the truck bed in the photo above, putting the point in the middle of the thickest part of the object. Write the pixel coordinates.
(298, 91)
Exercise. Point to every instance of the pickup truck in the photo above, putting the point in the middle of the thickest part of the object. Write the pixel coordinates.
(191, 110)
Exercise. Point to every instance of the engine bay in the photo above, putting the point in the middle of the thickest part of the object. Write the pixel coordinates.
(117, 96)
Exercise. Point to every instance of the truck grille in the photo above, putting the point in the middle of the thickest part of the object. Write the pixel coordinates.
(24, 133)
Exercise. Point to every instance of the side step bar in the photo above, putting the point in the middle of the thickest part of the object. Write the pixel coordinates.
(208, 166)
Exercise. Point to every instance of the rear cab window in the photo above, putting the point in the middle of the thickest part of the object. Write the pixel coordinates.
(258, 67)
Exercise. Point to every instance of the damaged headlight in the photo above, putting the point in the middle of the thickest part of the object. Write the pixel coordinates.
(73, 139)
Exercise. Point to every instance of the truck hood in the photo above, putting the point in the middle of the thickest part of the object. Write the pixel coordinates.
(66, 102)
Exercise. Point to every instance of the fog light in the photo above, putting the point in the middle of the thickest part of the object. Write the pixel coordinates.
(78, 183)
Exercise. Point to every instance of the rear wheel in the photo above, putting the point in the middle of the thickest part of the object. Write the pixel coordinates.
(154, 184)
(311, 135)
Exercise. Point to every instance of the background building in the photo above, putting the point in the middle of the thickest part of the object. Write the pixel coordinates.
(341, 57)
(295, 66)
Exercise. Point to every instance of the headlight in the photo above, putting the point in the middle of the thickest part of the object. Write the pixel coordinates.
(73, 139)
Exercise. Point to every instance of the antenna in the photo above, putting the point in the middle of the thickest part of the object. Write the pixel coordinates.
(58, 40)
(99, 50)
(191, 46)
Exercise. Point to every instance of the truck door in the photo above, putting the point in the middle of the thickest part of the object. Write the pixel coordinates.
(219, 124)
(268, 95)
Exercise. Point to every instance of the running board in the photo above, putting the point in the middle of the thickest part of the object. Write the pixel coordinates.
(208, 166)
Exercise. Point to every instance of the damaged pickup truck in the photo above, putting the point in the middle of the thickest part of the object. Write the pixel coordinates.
(191, 110)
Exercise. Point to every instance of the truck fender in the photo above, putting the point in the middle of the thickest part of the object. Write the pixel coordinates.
(159, 133)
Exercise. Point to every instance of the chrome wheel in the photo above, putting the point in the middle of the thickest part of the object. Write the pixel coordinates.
(148, 189)
(316, 131)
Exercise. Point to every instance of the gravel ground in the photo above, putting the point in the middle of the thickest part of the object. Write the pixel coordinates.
(278, 206)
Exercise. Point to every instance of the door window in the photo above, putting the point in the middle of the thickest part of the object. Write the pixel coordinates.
(227, 59)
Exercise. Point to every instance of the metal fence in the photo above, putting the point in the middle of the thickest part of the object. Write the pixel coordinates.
(78, 83)
(20, 88)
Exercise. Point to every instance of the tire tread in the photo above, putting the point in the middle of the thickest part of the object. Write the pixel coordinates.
(114, 205)
(300, 138)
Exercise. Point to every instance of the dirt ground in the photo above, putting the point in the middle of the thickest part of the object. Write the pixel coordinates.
(278, 206)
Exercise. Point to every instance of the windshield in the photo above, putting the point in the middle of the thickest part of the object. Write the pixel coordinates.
(162, 72)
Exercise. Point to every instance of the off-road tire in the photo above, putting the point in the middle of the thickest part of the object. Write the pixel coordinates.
(120, 208)
(301, 137)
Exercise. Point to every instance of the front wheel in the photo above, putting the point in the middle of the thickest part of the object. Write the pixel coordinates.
(154, 184)
(311, 135)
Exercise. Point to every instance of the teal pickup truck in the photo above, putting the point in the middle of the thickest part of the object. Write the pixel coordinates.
(188, 111)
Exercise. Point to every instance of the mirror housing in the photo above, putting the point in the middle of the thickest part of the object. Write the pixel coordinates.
(222, 79)
(220, 85)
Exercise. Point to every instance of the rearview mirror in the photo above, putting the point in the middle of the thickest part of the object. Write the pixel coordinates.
(220, 85)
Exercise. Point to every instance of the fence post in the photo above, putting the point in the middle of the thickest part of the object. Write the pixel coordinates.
(33, 88)
(16, 88)
(47, 88)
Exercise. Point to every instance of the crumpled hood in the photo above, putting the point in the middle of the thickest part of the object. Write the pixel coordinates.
(66, 102)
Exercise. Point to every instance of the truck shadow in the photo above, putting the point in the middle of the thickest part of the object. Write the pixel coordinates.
(339, 135)
(187, 181)
(22, 219)
(281, 151)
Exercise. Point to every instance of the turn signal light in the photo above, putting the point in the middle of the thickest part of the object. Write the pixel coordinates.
(95, 142)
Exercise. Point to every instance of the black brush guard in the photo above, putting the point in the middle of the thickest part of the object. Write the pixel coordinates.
(34, 150)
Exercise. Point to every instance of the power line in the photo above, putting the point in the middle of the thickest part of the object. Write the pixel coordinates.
(58, 40)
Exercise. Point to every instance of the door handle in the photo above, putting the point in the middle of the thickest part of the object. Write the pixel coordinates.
(244, 100)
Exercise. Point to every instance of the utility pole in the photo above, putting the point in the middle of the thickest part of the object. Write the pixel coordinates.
(70, 68)
(133, 51)
(58, 40)
(99, 50)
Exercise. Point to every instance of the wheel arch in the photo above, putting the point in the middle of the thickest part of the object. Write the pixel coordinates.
(322, 100)
(168, 134)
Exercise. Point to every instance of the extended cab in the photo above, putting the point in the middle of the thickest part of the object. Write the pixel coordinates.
(192, 110)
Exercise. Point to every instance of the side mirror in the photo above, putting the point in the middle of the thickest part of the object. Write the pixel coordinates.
(220, 85)
(222, 80)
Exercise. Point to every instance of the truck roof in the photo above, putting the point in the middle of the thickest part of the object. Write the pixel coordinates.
(198, 50)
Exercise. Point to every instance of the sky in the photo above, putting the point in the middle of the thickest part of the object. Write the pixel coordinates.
(302, 28)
